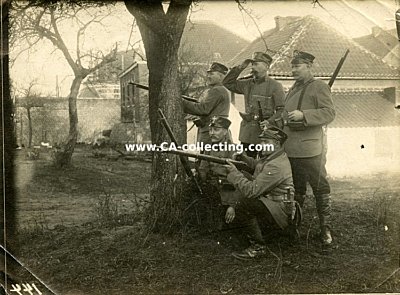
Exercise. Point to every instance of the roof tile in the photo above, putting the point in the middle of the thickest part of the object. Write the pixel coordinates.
(325, 43)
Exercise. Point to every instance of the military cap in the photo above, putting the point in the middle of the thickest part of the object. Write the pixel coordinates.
(218, 67)
(301, 57)
(273, 132)
(261, 56)
(221, 122)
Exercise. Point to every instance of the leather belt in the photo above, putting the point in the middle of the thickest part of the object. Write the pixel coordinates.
(279, 198)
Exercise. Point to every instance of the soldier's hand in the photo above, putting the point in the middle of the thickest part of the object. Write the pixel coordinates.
(230, 167)
(245, 64)
(296, 115)
(230, 214)
(264, 124)
(194, 172)
(237, 156)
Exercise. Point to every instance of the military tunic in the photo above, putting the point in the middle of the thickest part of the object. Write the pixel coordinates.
(272, 177)
(318, 110)
(266, 90)
(215, 103)
(216, 174)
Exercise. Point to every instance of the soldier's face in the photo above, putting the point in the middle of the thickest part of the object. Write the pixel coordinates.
(259, 68)
(301, 71)
(269, 146)
(217, 134)
(214, 78)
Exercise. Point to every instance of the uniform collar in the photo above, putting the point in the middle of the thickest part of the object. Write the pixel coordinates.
(274, 155)
(305, 81)
(260, 80)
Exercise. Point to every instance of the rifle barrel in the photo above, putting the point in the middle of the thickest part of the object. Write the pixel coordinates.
(338, 67)
(223, 161)
(145, 87)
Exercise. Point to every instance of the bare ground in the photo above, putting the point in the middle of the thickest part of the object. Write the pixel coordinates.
(65, 239)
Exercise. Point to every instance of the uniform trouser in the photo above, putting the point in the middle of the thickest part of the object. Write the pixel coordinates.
(252, 154)
(249, 215)
(313, 170)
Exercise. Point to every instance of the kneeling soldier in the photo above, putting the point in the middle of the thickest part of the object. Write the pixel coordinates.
(264, 200)
(216, 173)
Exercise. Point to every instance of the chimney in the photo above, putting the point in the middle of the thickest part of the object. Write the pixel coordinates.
(376, 31)
(280, 22)
(392, 94)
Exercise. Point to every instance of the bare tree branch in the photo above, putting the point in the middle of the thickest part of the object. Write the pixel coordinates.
(249, 13)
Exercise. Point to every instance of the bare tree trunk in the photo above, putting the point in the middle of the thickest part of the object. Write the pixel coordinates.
(161, 34)
(64, 155)
(28, 112)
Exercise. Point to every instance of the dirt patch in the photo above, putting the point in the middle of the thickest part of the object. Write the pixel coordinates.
(77, 255)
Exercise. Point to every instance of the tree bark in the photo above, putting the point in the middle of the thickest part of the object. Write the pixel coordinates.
(63, 156)
(161, 34)
(28, 112)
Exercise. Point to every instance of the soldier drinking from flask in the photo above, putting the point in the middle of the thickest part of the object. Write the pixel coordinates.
(263, 200)
(215, 103)
(259, 90)
(308, 107)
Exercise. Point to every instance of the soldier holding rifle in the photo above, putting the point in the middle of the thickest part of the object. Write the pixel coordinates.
(216, 173)
(259, 90)
(267, 199)
(216, 102)
(308, 107)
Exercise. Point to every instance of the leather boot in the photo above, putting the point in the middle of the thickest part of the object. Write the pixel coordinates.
(300, 199)
(323, 203)
(257, 245)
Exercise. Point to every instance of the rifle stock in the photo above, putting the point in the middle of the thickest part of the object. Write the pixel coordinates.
(183, 159)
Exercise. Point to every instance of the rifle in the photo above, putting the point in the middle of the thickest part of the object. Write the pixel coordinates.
(240, 165)
(183, 159)
(338, 67)
(192, 99)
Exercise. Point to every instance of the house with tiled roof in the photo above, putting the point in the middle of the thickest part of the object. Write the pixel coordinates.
(366, 132)
(202, 43)
(381, 42)
(206, 42)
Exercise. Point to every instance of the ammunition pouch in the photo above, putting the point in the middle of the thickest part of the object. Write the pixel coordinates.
(296, 126)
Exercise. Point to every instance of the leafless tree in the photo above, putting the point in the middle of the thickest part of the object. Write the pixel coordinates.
(33, 22)
(161, 32)
(28, 99)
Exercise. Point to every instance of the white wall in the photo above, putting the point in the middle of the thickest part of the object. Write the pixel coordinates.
(381, 152)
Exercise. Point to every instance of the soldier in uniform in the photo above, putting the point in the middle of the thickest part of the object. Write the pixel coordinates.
(215, 103)
(263, 199)
(308, 107)
(258, 90)
(216, 173)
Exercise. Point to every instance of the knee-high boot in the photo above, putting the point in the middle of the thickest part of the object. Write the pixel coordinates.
(323, 204)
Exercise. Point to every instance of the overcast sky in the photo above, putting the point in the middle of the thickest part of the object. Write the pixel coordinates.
(352, 18)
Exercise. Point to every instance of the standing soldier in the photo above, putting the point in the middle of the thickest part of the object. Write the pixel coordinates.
(259, 91)
(216, 173)
(262, 200)
(309, 107)
(216, 102)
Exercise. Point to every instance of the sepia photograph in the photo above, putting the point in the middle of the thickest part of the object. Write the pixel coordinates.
(200, 147)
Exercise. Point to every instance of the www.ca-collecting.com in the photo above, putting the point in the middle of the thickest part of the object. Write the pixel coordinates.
(194, 147)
